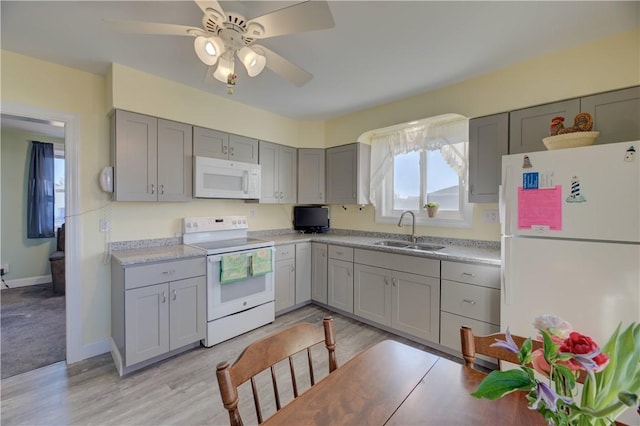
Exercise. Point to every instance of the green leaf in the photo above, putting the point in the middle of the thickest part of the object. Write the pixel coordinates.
(550, 348)
(499, 383)
(524, 354)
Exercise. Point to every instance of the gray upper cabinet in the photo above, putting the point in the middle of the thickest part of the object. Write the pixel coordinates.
(152, 158)
(311, 176)
(488, 142)
(279, 173)
(527, 127)
(616, 115)
(217, 144)
(348, 174)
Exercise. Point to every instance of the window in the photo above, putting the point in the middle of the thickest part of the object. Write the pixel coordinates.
(58, 185)
(412, 164)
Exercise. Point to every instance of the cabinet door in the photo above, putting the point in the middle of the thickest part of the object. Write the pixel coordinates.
(146, 322)
(287, 166)
(285, 284)
(416, 305)
(269, 177)
(340, 285)
(187, 311)
(527, 127)
(210, 143)
(372, 293)
(175, 159)
(616, 115)
(342, 166)
(311, 176)
(303, 272)
(136, 156)
(488, 142)
(319, 272)
(243, 149)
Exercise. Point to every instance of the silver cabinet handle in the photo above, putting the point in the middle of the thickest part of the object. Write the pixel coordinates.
(153, 188)
(386, 280)
(281, 195)
(164, 297)
(170, 272)
(469, 301)
(225, 149)
(468, 274)
(175, 295)
(348, 273)
(275, 195)
(231, 152)
(293, 268)
(394, 281)
(162, 188)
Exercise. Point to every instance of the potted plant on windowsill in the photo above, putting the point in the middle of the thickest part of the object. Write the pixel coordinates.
(432, 208)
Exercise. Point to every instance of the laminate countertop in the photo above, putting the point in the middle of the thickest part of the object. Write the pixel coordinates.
(481, 252)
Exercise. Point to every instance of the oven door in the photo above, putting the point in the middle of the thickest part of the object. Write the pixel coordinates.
(237, 296)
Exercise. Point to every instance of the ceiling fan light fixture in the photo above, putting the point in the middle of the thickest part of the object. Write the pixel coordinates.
(209, 49)
(226, 66)
(253, 62)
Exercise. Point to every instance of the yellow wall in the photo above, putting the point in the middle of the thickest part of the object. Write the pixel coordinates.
(607, 64)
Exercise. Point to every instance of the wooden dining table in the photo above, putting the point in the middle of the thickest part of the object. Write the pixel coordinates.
(395, 384)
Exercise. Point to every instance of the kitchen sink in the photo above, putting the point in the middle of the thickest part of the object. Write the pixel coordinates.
(409, 246)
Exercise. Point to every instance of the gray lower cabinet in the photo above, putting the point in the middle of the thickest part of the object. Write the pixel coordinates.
(616, 114)
(340, 278)
(311, 176)
(406, 301)
(348, 174)
(527, 127)
(285, 277)
(470, 297)
(319, 265)
(279, 173)
(303, 272)
(488, 142)
(157, 310)
(152, 158)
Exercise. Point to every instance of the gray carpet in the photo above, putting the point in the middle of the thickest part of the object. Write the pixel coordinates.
(32, 328)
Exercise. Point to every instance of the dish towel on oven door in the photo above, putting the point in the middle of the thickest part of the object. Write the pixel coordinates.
(261, 262)
(233, 267)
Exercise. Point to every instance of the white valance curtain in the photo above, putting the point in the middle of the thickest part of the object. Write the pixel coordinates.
(448, 133)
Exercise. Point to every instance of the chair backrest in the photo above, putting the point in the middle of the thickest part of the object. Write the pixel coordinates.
(267, 352)
(472, 345)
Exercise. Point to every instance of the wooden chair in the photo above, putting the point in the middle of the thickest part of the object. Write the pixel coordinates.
(267, 352)
(472, 345)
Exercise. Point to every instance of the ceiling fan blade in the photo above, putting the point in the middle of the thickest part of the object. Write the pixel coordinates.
(213, 9)
(301, 17)
(139, 27)
(283, 67)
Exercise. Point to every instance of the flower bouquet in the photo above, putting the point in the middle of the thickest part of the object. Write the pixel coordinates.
(550, 375)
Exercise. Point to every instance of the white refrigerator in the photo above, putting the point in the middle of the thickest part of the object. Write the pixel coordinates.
(570, 222)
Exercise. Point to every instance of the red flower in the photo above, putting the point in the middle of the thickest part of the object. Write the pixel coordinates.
(579, 344)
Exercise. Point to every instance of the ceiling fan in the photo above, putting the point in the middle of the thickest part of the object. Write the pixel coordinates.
(227, 35)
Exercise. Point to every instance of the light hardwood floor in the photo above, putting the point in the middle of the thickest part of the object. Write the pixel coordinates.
(179, 391)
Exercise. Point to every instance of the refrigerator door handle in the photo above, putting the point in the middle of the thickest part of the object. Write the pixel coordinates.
(502, 202)
(504, 270)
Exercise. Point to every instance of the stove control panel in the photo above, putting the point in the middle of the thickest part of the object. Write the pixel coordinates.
(216, 223)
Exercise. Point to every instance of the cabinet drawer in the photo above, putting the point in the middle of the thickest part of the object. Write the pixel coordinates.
(341, 253)
(450, 329)
(398, 262)
(285, 252)
(484, 275)
(471, 301)
(140, 276)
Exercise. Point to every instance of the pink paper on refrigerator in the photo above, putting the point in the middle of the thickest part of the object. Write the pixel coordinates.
(540, 208)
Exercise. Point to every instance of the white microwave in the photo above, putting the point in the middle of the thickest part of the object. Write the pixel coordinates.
(216, 178)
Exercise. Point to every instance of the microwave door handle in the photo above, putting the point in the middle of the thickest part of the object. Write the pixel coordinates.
(245, 182)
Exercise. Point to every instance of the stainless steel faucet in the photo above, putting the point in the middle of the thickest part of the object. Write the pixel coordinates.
(414, 239)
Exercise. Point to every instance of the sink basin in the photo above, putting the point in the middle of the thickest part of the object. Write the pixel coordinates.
(389, 243)
(409, 246)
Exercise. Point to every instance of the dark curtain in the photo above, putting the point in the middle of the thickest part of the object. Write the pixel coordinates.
(40, 191)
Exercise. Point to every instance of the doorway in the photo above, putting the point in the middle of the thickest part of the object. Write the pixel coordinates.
(73, 296)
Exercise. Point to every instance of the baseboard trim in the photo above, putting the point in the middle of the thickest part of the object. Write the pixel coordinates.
(99, 347)
(25, 282)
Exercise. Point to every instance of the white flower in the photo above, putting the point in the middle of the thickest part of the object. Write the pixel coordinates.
(553, 325)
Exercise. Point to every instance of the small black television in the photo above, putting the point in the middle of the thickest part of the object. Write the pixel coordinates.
(311, 218)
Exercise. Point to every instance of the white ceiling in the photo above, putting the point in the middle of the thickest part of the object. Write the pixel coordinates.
(378, 51)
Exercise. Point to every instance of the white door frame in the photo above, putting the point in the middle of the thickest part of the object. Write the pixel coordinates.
(73, 270)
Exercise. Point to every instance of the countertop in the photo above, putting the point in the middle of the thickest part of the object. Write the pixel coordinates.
(148, 251)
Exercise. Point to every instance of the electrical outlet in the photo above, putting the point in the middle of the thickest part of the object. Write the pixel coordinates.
(491, 216)
(5, 269)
